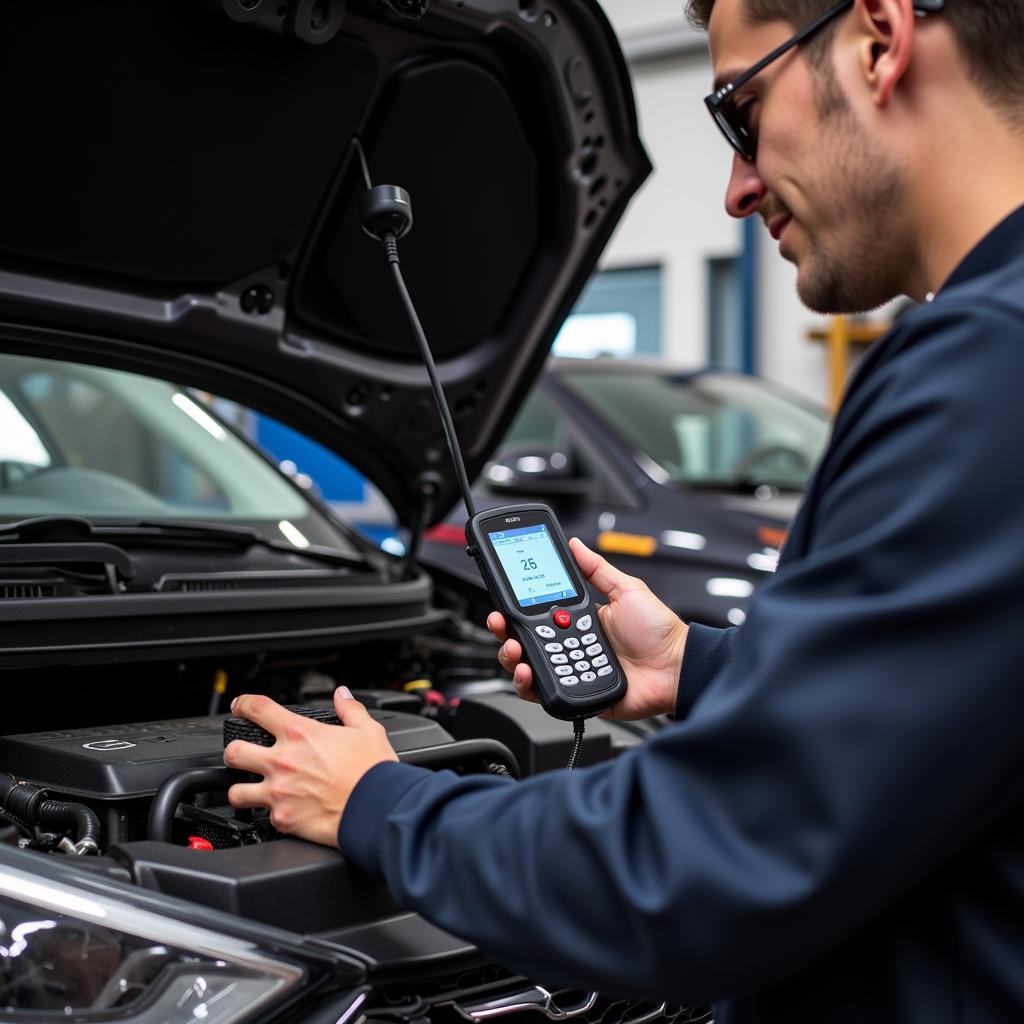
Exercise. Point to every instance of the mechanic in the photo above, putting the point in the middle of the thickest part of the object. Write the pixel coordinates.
(834, 831)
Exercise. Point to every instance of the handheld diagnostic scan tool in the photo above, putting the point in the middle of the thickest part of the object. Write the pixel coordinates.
(533, 580)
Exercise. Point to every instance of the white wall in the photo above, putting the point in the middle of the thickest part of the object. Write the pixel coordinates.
(679, 220)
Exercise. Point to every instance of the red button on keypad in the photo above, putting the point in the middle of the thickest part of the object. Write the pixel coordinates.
(563, 620)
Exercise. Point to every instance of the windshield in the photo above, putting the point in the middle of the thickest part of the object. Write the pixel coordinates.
(103, 444)
(711, 430)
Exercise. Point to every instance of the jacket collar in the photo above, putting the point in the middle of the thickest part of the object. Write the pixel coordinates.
(1002, 245)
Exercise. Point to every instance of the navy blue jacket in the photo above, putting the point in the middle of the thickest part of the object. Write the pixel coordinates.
(834, 833)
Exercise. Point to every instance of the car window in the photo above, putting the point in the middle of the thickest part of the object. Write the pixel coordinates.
(535, 425)
(94, 427)
(89, 441)
(709, 429)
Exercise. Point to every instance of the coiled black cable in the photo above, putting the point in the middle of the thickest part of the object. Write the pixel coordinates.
(579, 726)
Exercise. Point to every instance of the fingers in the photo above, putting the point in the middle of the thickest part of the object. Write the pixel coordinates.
(247, 757)
(350, 712)
(509, 655)
(264, 712)
(496, 624)
(248, 794)
(601, 573)
(522, 680)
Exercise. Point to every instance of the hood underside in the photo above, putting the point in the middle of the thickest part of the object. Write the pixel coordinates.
(180, 196)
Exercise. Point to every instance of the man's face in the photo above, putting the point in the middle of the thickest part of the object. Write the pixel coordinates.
(825, 189)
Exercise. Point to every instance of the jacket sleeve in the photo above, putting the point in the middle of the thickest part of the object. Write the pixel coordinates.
(865, 729)
(708, 651)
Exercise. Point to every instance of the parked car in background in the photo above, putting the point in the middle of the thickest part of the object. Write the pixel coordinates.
(687, 480)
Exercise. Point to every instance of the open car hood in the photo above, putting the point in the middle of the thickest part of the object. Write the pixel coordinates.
(180, 197)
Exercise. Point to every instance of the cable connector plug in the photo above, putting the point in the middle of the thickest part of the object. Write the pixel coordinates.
(386, 210)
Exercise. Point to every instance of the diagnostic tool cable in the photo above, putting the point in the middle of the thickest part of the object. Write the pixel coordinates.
(387, 217)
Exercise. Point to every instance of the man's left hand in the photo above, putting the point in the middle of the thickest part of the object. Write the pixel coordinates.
(310, 771)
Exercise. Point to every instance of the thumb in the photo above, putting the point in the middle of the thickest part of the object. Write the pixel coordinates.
(612, 582)
(350, 712)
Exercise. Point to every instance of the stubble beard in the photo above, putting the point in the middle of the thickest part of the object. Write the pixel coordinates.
(860, 269)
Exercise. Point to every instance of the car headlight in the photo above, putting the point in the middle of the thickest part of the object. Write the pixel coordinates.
(68, 952)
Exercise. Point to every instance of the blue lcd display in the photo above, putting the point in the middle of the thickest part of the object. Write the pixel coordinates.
(532, 565)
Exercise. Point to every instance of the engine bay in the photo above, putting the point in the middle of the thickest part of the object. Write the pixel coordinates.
(146, 801)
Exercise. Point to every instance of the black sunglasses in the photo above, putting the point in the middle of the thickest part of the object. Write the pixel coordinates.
(733, 122)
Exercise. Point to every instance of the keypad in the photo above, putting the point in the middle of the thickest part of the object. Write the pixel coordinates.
(577, 655)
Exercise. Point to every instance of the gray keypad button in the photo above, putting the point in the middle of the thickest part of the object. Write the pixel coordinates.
(564, 670)
(553, 648)
(600, 661)
(582, 666)
(577, 655)
(606, 671)
(569, 681)
(584, 623)
(594, 649)
(590, 638)
(572, 643)
(587, 677)
(547, 632)
(559, 659)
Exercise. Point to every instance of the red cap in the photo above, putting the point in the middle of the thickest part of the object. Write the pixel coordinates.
(199, 843)
(563, 620)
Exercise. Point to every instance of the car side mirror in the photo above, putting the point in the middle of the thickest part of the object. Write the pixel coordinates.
(536, 472)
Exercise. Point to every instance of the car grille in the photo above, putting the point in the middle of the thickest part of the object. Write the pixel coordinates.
(19, 591)
(633, 1011)
(458, 999)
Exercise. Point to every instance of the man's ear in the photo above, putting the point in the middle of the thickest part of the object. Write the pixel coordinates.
(886, 29)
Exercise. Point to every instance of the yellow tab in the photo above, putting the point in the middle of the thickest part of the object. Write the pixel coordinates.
(418, 684)
(627, 544)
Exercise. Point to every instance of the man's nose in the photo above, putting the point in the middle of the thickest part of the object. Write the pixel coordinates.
(746, 190)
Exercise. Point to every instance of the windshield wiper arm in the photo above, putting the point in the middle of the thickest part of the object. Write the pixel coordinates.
(75, 529)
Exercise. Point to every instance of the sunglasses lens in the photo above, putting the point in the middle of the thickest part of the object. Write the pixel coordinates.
(737, 131)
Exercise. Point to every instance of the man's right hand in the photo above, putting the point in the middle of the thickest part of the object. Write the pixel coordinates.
(647, 636)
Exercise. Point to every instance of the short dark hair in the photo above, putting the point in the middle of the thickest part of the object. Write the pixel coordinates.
(990, 33)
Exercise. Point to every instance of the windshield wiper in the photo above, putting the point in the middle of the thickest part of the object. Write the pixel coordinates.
(75, 529)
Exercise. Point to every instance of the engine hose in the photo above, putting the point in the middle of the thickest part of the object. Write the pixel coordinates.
(54, 814)
(21, 799)
(29, 804)
(177, 787)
